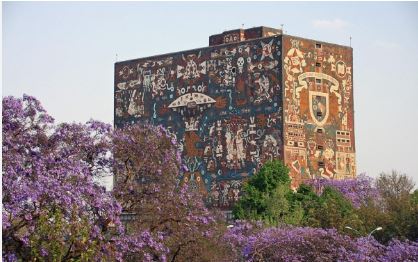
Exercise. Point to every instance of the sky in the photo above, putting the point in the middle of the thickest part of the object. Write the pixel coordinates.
(63, 53)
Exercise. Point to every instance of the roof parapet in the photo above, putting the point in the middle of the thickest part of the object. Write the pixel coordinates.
(238, 35)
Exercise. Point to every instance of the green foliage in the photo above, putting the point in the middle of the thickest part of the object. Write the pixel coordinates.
(396, 211)
(394, 185)
(266, 197)
(414, 197)
(53, 231)
(335, 211)
(270, 176)
(308, 201)
(403, 215)
(280, 211)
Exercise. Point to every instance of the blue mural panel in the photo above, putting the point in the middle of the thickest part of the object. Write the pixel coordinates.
(223, 103)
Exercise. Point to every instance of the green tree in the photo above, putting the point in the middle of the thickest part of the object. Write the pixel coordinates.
(394, 185)
(372, 216)
(335, 211)
(280, 210)
(307, 200)
(271, 174)
(398, 207)
(266, 197)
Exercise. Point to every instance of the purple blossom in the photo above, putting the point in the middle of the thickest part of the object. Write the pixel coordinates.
(49, 194)
(253, 243)
(9, 257)
(44, 252)
(358, 190)
(400, 251)
(48, 181)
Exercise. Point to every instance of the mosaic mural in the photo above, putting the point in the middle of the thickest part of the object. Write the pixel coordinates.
(318, 110)
(223, 103)
(234, 106)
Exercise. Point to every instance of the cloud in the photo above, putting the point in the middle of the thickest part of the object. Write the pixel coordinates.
(336, 24)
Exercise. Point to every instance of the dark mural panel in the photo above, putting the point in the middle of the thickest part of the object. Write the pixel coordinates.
(318, 110)
(223, 103)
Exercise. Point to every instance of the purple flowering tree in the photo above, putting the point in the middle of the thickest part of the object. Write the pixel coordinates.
(359, 190)
(253, 243)
(147, 169)
(385, 202)
(52, 208)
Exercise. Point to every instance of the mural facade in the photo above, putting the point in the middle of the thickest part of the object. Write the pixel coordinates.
(318, 110)
(223, 103)
(234, 106)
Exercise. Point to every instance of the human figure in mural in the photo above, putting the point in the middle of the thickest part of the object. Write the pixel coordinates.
(136, 104)
(225, 195)
(347, 165)
(239, 140)
(229, 146)
(219, 149)
(269, 147)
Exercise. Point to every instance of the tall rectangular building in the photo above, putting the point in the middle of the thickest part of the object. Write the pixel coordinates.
(253, 95)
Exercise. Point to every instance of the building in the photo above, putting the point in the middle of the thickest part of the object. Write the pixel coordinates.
(251, 96)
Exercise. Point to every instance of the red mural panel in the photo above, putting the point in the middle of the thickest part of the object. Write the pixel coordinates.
(318, 110)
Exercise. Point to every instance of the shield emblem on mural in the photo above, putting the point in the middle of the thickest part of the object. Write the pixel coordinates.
(319, 107)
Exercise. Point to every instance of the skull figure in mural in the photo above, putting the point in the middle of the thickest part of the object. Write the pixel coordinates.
(211, 165)
(146, 74)
(240, 64)
(254, 151)
(192, 124)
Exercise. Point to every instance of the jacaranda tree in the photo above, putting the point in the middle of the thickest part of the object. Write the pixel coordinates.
(52, 208)
(359, 190)
(147, 171)
(385, 202)
(251, 242)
